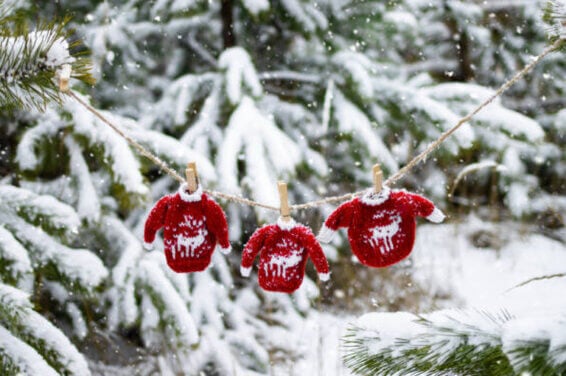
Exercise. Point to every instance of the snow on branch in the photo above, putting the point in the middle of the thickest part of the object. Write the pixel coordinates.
(455, 341)
(240, 73)
(20, 358)
(267, 151)
(30, 64)
(45, 342)
(38, 222)
(555, 17)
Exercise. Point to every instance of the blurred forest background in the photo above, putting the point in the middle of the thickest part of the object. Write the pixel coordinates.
(255, 91)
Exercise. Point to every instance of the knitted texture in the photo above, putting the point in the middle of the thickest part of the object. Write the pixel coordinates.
(284, 248)
(193, 225)
(381, 227)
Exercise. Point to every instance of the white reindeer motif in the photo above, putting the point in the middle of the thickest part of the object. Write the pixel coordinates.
(278, 264)
(385, 233)
(187, 245)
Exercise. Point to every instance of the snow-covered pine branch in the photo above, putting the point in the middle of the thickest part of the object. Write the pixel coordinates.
(469, 342)
(39, 345)
(555, 17)
(31, 62)
(40, 224)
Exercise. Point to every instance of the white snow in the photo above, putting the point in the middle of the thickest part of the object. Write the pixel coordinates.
(33, 207)
(240, 73)
(88, 206)
(268, 152)
(460, 92)
(124, 309)
(305, 14)
(511, 122)
(68, 261)
(35, 42)
(255, 7)
(170, 149)
(175, 313)
(11, 296)
(49, 124)
(547, 328)
(359, 67)
(80, 329)
(119, 156)
(389, 328)
(405, 21)
(25, 358)
(485, 278)
(37, 330)
(351, 120)
(557, 10)
(517, 198)
(16, 256)
(55, 341)
(150, 322)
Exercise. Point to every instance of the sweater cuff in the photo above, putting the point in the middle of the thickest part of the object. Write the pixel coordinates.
(326, 234)
(245, 271)
(436, 216)
(148, 246)
(225, 250)
(324, 276)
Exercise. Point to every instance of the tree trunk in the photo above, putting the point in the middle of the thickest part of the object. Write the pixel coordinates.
(226, 12)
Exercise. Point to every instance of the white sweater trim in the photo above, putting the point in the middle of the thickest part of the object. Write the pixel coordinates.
(325, 234)
(226, 250)
(245, 272)
(436, 216)
(324, 276)
(288, 225)
(190, 197)
(373, 199)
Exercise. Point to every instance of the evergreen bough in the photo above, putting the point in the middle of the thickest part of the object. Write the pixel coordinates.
(32, 58)
(456, 342)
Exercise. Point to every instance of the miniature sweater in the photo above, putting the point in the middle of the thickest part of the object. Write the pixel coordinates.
(381, 227)
(284, 248)
(193, 225)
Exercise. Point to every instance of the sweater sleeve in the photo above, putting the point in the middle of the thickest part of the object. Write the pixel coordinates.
(217, 224)
(341, 217)
(316, 254)
(252, 248)
(155, 219)
(423, 207)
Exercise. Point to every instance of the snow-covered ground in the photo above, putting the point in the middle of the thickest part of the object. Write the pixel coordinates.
(446, 262)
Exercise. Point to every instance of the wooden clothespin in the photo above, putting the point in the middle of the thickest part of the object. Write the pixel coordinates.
(284, 209)
(64, 77)
(192, 176)
(377, 178)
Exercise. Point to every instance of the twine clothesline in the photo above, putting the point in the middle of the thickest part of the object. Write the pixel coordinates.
(334, 199)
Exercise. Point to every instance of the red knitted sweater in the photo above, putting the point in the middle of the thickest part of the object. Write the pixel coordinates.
(381, 227)
(193, 224)
(284, 248)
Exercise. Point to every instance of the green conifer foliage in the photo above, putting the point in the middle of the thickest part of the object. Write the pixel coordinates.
(461, 342)
(32, 58)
